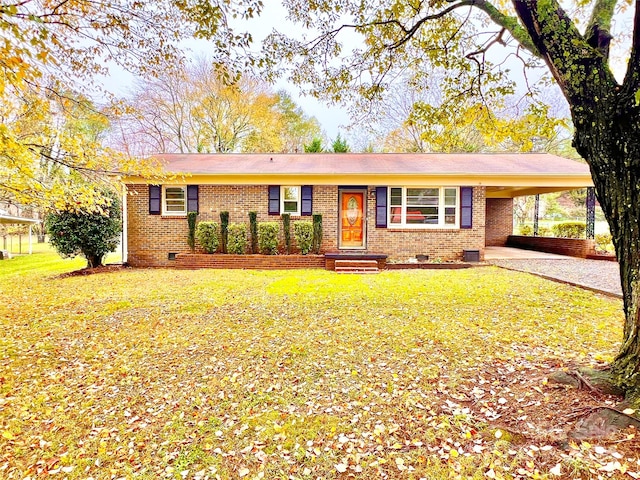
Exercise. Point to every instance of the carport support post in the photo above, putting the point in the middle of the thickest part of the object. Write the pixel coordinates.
(30, 239)
(591, 213)
(536, 214)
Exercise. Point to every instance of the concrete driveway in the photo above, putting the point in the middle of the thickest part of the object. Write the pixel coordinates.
(597, 275)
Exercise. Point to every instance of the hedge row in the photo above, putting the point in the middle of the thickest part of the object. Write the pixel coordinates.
(263, 236)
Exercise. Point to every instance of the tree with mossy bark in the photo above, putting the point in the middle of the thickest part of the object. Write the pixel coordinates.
(417, 36)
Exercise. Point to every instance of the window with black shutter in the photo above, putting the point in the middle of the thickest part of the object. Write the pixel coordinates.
(274, 199)
(155, 199)
(192, 198)
(381, 207)
(466, 207)
(307, 200)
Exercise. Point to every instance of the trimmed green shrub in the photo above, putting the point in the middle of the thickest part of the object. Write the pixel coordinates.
(253, 231)
(224, 230)
(570, 230)
(604, 242)
(268, 237)
(526, 230)
(207, 235)
(316, 244)
(303, 230)
(237, 238)
(544, 232)
(191, 236)
(286, 227)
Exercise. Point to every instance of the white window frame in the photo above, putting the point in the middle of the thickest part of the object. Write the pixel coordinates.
(441, 209)
(282, 199)
(173, 213)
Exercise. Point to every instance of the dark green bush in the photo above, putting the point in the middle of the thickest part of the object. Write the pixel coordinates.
(317, 233)
(570, 230)
(253, 231)
(237, 238)
(268, 237)
(207, 235)
(224, 230)
(286, 227)
(191, 236)
(303, 230)
(89, 234)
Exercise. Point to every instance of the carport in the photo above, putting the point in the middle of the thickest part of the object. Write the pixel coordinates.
(5, 218)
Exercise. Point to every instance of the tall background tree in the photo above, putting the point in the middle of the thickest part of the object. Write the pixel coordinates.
(193, 108)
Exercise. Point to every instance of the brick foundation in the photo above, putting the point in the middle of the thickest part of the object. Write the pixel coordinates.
(573, 247)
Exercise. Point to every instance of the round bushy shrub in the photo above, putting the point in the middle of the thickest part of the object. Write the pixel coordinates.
(303, 231)
(570, 230)
(90, 234)
(544, 232)
(237, 238)
(526, 230)
(268, 237)
(207, 235)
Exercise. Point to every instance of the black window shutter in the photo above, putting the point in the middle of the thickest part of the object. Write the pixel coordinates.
(307, 200)
(192, 198)
(155, 199)
(381, 207)
(466, 207)
(274, 199)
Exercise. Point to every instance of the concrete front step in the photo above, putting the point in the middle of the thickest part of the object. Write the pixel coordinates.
(356, 266)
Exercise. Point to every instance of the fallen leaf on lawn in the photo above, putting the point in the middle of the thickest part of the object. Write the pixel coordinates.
(557, 470)
(341, 467)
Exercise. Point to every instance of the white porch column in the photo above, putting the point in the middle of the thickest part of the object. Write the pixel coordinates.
(124, 242)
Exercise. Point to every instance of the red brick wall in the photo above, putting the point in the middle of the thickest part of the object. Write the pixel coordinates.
(499, 223)
(573, 247)
(152, 237)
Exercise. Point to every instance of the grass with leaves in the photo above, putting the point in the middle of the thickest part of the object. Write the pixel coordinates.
(296, 374)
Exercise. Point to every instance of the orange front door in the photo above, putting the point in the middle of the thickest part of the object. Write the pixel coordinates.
(352, 222)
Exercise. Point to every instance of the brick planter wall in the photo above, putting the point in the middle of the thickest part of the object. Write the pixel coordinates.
(254, 262)
(573, 247)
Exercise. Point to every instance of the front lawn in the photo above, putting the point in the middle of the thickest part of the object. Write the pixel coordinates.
(297, 374)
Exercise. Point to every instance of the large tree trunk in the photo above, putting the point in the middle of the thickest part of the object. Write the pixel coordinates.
(608, 137)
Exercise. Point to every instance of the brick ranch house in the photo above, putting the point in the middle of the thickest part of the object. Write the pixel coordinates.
(399, 205)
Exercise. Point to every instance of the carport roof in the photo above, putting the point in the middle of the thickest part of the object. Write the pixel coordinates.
(5, 218)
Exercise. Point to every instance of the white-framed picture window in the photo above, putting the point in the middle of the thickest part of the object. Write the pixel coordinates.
(174, 200)
(290, 200)
(424, 207)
